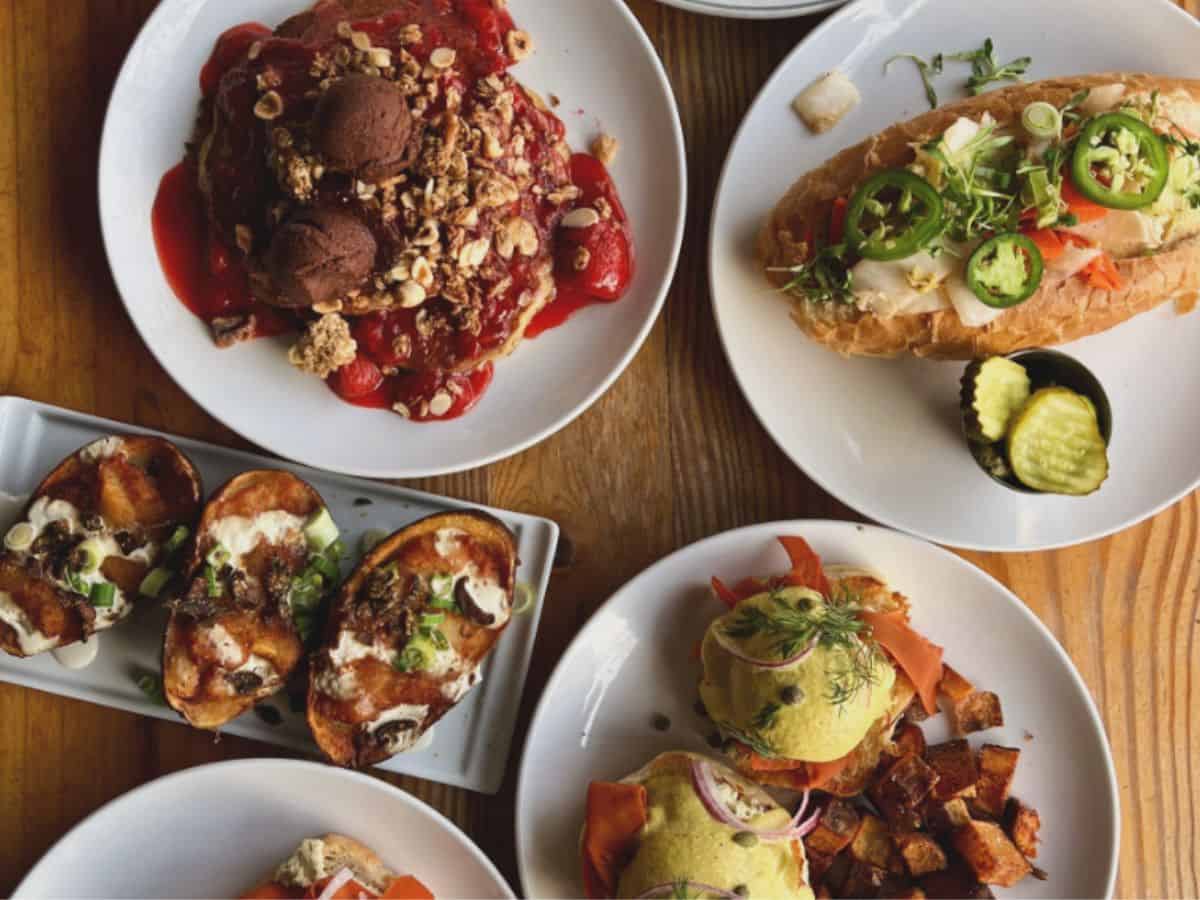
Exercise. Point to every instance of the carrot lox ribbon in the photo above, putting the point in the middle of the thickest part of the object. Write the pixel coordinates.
(616, 815)
(1102, 273)
(1080, 206)
(807, 570)
(920, 659)
(801, 775)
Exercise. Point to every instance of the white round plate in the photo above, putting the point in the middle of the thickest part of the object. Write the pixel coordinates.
(754, 9)
(632, 662)
(219, 830)
(883, 435)
(593, 56)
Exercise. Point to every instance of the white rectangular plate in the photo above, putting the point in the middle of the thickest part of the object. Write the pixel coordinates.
(469, 747)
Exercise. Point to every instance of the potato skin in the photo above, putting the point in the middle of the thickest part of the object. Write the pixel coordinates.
(1056, 314)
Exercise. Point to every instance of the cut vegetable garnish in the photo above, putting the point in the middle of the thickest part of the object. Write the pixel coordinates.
(154, 582)
(1055, 444)
(218, 557)
(176, 540)
(1042, 120)
(1120, 162)
(993, 392)
(103, 594)
(1006, 270)
(20, 536)
(89, 555)
(320, 530)
(525, 597)
(893, 215)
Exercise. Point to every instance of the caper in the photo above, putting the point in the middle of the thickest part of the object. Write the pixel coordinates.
(791, 695)
(746, 839)
(660, 722)
(741, 890)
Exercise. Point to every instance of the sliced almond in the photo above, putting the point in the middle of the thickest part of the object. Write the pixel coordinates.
(441, 403)
(411, 294)
(442, 57)
(583, 217)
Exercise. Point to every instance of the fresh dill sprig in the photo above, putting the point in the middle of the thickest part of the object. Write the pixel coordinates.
(680, 888)
(765, 717)
(856, 673)
(793, 625)
(752, 739)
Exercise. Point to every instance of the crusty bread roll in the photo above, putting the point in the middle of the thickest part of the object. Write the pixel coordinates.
(1059, 312)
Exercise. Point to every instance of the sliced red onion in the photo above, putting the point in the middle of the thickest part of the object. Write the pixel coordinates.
(706, 788)
(732, 649)
(664, 890)
(336, 883)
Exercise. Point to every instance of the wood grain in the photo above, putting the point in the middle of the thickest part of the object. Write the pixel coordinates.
(682, 458)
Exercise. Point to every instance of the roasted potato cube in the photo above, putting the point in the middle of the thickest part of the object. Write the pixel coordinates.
(955, 766)
(946, 816)
(991, 855)
(1022, 824)
(902, 789)
(836, 828)
(978, 712)
(873, 843)
(909, 738)
(922, 854)
(864, 880)
(997, 769)
(954, 685)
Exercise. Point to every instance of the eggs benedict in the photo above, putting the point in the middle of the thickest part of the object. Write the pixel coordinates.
(685, 825)
(808, 673)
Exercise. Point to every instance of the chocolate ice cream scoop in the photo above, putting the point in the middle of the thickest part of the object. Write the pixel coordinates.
(318, 255)
(362, 125)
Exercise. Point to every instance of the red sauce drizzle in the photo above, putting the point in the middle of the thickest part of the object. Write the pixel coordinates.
(592, 265)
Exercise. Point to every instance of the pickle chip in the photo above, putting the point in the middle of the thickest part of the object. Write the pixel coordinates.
(1055, 444)
(993, 392)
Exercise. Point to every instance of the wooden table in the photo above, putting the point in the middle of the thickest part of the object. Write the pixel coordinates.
(684, 459)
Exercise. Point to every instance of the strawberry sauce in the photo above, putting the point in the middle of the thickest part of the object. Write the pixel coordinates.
(397, 366)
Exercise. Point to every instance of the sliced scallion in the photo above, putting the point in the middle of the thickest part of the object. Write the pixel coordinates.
(90, 554)
(441, 585)
(214, 586)
(525, 597)
(320, 530)
(154, 582)
(325, 568)
(335, 551)
(103, 594)
(218, 557)
(1042, 120)
(430, 620)
(20, 537)
(175, 541)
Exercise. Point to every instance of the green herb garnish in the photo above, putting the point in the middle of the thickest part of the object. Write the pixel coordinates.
(928, 69)
(824, 278)
(856, 673)
(986, 68)
(792, 626)
(214, 586)
(152, 686)
(765, 717)
(752, 739)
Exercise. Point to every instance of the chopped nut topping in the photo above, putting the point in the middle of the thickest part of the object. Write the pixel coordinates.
(344, 30)
(254, 51)
(582, 259)
(402, 410)
(325, 346)
(604, 148)
(331, 306)
(422, 272)
(474, 253)
(441, 403)
(269, 106)
(411, 34)
(442, 58)
(244, 237)
(583, 217)
(518, 44)
(380, 57)
(604, 208)
(361, 40)
(411, 295)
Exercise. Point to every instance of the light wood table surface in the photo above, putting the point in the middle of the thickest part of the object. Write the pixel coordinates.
(670, 455)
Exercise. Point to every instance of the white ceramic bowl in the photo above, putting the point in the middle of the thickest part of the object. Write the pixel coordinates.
(883, 436)
(594, 56)
(632, 662)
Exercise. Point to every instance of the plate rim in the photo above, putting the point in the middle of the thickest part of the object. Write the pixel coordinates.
(747, 532)
(430, 469)
(795, 11)
(866, 509)
(302, 766)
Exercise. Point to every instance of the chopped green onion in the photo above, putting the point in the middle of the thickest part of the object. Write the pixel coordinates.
(76, 582)
(446, 603)
(412, 659)
(1042, 120)
(441, 585)
(436, 638)
(320, 530)
(175, 541)
(152, 686)
(103, 594)
(20, 537)
(371, 539)
(428, 620)
(214, 586)
(525, 597)
(154, 582)
(336, 551)
(325, 568)
(93, 553)
(218, 557)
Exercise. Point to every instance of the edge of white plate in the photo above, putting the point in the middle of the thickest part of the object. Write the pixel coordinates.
(812, 37)
(664, 84)
(703, 8)
(800, 525)
(401, 795)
